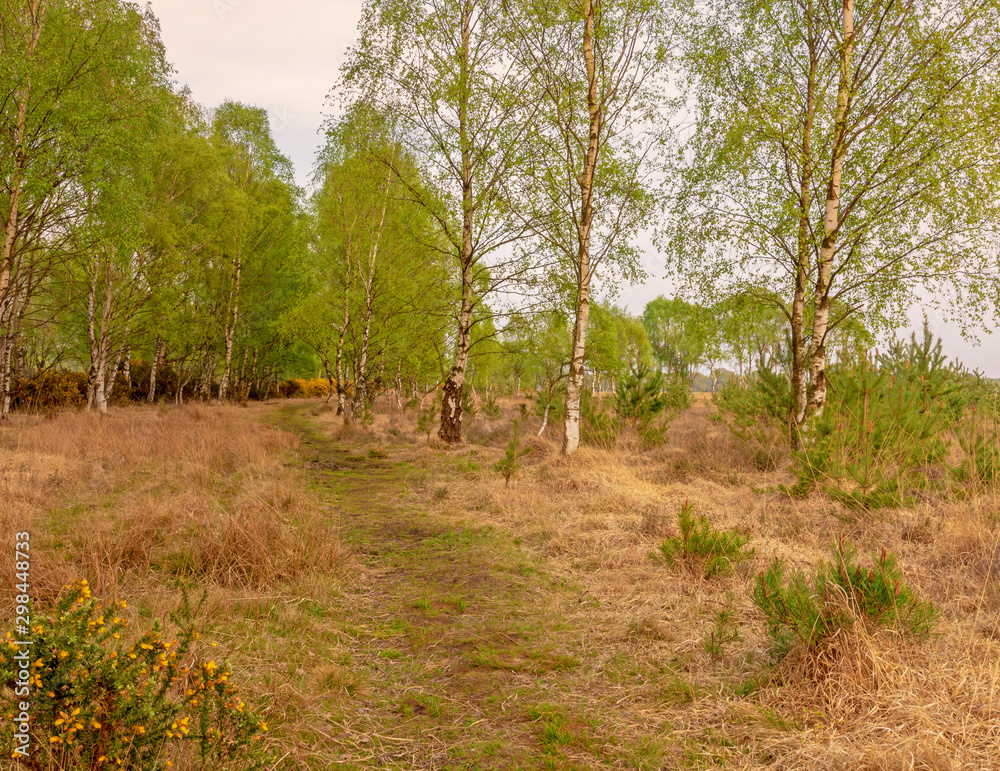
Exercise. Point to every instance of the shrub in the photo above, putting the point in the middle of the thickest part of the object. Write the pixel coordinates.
(706, 550)
(758, 413)
(884, 424)
(491, 410)
(468, 403)
(428, 419)
(643, 396)
(979, 439)
(807, 612)
(98, 702)
(51, 391)
(597, 427)
(307, 388)
(509, 464)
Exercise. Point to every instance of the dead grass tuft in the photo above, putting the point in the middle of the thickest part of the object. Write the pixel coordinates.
(199, 491)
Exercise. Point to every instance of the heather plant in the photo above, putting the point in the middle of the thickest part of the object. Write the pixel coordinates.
(98, 702)
(808, 610)
(703, 548)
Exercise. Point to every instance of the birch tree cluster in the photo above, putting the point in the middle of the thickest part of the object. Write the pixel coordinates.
(141, 232)
(488, 172)
(830, 164)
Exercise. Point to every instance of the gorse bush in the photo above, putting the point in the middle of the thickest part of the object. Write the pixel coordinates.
(97, 702)
(308, 388)
(803, 610)
(706, 550)
(50, 391)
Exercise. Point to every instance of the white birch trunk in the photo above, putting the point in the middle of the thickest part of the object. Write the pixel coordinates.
(574, 383)
(831, 220)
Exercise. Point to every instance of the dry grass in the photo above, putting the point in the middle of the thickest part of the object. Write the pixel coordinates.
(194, 491)
(867, 701)
(144, 496)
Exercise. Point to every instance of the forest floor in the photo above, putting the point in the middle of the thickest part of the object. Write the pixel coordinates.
(389, 603)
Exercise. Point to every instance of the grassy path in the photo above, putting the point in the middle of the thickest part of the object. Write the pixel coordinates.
(462, 652)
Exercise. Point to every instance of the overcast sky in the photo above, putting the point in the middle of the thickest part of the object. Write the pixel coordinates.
(285, 56)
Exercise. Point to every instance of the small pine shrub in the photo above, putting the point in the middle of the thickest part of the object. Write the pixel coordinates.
(97, 702)
(725, 630)
(468, 403)
(491, 410)
(428, 419)
(979, 439)
(758, 413)
(646, 400)
(885, 424)
(640, 395)
(597, 427)
(509, 464)
(805, 611)
(704, 549)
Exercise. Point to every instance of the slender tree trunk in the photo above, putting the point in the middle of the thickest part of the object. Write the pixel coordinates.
(127, 372)
(545, 417)
(231, 318)
(19, 358)
(100, 343)
(252, 377)
(361, 368)
(159, 351)
(7, 342)
(112, 377)
(804, 248)
(451, 402)
(574, 383)
(36, 10)
(831, 221)
(399, 385)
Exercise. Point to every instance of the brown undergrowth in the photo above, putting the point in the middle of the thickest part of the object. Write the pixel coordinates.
(866, 700)
(197, 492)
(528, 626)
(147, 503)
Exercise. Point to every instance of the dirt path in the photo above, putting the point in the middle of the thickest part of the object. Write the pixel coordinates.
(463, 652)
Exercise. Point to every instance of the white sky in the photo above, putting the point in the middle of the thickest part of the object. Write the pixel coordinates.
(285, 57)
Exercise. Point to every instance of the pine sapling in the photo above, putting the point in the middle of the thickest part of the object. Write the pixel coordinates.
(509, 464)
(428, 420)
